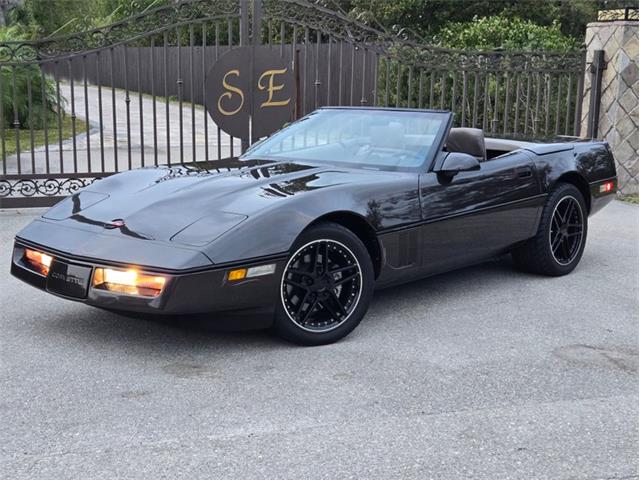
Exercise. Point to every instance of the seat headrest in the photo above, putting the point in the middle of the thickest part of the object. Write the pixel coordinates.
(467, 140)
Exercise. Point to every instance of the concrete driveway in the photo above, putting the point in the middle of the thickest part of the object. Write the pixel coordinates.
(113, 156)
(484, 373)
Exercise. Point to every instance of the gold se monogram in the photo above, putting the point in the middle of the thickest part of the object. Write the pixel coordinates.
(266, 81)
(249, 91)
(229, 93)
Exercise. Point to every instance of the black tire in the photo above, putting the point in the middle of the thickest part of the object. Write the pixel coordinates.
(559, 243)
(326, 286)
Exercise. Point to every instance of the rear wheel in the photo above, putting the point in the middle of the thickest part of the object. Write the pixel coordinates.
(562, 234)
(326, 286)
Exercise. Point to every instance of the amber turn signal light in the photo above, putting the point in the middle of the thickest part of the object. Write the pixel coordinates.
(38, 260)
(130, 282)
(251, 272)
(235, 275)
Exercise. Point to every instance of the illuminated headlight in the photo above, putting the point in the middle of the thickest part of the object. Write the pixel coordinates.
(130, 282)
(38, 261)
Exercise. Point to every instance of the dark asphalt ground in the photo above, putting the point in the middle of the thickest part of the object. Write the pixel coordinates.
(485, 373)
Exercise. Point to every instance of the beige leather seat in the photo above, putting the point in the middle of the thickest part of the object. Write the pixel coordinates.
(467, 140)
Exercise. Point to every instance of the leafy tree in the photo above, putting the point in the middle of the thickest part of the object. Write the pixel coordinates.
(427, 17)
(16, 84)
(22, 79)
(59, 16)
(500, 31)
(111, 11)
(44, 18)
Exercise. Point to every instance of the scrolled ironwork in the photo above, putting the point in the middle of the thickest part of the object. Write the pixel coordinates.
(629, 13)
(48, 187)
(103, 37)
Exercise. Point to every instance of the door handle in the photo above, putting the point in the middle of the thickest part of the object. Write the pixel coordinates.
(524, 172)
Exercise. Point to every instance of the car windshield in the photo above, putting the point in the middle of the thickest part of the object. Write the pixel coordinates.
(368, 138)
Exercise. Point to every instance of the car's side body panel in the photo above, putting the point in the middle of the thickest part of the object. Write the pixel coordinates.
(448, 243)
(477, 215)
(590, 161)
(384, 199)
(503, 197)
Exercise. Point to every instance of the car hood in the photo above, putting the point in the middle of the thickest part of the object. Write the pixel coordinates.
(192, 205)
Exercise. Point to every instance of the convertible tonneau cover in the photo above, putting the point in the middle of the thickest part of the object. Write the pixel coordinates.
(508, 145)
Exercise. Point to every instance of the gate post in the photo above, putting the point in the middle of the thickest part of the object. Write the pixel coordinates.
(610, 98)
(577, 119)
(256, 40)
(598, 65)
(244, 41)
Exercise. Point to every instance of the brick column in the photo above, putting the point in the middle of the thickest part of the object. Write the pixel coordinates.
(618, 119)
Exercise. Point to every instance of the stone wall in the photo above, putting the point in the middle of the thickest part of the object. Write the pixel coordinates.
(618, 120)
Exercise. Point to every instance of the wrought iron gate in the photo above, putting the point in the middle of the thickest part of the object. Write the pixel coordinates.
(137, 87)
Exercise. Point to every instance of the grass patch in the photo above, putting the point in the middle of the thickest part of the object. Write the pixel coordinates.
(38, 135)
(632, 198)
(160, 99)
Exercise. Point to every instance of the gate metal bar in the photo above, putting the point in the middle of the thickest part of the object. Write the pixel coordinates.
(596, 70)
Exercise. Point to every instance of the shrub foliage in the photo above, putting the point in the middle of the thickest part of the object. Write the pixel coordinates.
(22, 86)
(500, 31)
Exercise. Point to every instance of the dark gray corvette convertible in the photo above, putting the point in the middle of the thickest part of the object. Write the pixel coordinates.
(303, 227)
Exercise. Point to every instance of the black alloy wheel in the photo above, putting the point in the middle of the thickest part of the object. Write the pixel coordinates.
(326, 286)
(321, 285)
(565, 234)
(558, 245)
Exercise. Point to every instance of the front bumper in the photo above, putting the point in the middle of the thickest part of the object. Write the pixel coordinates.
(185, 292)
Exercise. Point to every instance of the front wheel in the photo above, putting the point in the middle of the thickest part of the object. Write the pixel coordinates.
(562, 234)
(326, 286)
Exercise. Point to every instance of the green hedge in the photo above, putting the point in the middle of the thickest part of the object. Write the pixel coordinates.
(15, 83)
(15, 97)
(488, 33)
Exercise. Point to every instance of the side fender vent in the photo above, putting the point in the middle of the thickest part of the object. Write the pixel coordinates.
(408, 251)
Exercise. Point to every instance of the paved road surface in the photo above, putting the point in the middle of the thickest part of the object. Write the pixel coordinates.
(484, 373)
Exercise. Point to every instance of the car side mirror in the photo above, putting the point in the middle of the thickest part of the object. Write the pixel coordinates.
(456, 162)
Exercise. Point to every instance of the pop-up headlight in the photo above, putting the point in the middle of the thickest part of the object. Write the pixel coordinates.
(38, 261)
(130, 282)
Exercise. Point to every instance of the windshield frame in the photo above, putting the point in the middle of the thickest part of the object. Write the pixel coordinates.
(425, 166)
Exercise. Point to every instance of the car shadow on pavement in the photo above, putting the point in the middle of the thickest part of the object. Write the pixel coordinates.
(185, 333)
(451, 286)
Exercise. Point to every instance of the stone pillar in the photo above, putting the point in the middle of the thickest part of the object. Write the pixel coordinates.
(618, 119)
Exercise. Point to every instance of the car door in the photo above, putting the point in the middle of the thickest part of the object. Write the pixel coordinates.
(480, 213)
